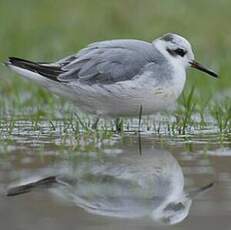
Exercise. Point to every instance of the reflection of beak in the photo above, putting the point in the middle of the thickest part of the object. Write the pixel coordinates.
(198, 191)
(200, 67)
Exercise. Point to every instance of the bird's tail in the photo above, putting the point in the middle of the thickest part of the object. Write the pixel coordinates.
(42, 183)
(44, 74)
(29, 68)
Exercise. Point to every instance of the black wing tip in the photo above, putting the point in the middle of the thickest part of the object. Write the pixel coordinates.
(12, 61)
(50, 72)
(14, 191)
(26, 188)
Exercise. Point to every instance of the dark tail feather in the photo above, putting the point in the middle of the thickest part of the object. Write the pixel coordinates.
(49, 71)
(43, 183)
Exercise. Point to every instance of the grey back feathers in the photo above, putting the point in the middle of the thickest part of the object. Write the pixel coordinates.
(109, 62)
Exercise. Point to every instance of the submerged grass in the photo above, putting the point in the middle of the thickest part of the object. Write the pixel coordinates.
(184, 115)
(222, 115)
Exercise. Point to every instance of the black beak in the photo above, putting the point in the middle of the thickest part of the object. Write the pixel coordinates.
(200, 67)
(193, 194)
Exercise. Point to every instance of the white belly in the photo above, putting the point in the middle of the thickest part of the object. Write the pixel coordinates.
(125, 98)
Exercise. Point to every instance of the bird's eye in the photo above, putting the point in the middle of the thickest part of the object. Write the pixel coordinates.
(180, 52)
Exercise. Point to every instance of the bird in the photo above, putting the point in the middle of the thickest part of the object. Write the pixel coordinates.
(128, 187)
(115, 78)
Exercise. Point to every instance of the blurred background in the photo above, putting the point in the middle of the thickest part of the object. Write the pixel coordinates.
(39, 132)
(47, 30)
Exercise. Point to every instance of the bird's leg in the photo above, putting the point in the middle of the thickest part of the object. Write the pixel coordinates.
(119, 125)
(139, 136)
(95, 123)
(140, 116)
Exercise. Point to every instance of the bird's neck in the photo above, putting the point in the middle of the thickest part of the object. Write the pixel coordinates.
(177, 81)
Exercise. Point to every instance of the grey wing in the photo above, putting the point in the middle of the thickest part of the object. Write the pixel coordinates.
(107, 62)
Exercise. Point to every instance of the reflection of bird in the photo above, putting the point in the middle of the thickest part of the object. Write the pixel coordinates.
(127, 187)
(114, 78)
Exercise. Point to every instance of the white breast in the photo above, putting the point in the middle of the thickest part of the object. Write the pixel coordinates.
(178, 80)
(125, 98)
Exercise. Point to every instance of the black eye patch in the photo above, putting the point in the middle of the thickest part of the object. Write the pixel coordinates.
(180, 52)
(177, 52)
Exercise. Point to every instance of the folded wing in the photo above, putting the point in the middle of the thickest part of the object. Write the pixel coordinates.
(107, 62)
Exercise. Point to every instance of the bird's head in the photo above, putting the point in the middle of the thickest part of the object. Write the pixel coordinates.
(179, 51)
(173, 212)
(177, 208)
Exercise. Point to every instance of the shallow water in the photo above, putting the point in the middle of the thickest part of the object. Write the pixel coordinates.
(111, 184)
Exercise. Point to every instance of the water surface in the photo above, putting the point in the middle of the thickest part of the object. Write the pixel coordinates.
(110, 184)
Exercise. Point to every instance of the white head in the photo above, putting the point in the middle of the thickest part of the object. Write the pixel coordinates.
(173, 212)
(177, 208)
(179, 52)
